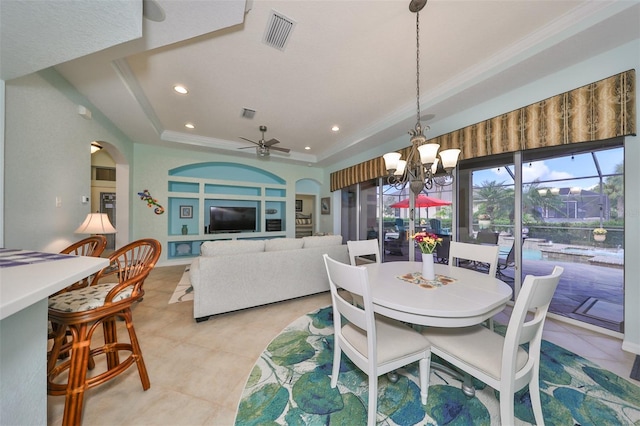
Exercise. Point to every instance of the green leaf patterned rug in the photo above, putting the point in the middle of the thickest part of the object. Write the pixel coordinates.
(290, 385)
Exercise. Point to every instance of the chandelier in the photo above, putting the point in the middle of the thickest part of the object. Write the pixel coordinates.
(422, 168)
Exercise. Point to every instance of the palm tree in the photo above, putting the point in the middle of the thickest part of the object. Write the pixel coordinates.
(496, 197)
(614, 188)
(537, 204)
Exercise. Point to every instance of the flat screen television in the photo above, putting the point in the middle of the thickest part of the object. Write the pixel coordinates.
(232, 219)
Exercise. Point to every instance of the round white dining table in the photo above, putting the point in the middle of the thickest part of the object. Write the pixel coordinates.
(470, 298)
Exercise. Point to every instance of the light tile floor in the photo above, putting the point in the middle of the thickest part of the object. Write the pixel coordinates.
(198, 370)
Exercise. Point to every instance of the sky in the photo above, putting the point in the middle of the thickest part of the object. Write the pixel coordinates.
(558, 170)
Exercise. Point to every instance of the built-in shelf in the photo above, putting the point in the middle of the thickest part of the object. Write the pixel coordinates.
(193, 190)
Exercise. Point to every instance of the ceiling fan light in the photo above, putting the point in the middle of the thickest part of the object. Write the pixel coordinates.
(391, 160)
(449, 159)
(428, 153)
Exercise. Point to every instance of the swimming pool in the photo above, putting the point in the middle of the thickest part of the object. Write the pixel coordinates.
(527, 254)
(586, 251)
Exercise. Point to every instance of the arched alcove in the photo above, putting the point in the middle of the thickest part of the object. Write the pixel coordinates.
(307, 209)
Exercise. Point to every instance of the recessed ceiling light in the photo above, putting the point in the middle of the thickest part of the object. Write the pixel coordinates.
(189, 126)
(180, 89)
(335, 128)
(307, 148)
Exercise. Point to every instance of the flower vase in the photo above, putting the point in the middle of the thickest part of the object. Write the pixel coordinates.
(599, 237)
(428, 272)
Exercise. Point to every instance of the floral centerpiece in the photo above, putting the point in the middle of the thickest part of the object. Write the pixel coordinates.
(426, 241)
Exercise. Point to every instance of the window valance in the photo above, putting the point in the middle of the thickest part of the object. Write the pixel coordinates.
(601, 110)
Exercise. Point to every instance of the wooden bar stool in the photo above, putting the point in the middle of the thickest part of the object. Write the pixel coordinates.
(109, 298)
(91, 246)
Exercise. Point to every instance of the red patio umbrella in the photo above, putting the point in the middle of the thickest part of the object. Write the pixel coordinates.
(421, 201)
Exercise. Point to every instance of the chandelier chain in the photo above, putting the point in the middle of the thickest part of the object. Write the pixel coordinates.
(417, 172)
(418, 66)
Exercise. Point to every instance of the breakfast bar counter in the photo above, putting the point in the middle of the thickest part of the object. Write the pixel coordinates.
(26, 281)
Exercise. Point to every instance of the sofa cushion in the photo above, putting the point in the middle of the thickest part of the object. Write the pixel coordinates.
(327, 240)
(222, 248)
(276, 244)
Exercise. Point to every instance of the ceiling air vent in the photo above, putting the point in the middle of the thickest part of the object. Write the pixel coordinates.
(248, 113)
(278, 30)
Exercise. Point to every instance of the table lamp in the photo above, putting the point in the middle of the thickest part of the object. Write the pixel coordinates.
(96, 223)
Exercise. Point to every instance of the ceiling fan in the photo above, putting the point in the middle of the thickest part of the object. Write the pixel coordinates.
(263, 147)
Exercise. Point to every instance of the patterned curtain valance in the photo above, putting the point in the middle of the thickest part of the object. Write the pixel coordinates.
(601, 110)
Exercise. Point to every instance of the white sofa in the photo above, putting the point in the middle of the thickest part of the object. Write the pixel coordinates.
(238, 274)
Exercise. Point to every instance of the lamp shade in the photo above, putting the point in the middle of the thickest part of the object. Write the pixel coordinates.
(96, 223)
(428, 153)
(449, 158)
(434, 166)
(391, 160)
(400, 168)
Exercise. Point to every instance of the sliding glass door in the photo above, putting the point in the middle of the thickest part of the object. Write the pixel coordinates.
(571, 208)
(553, 206)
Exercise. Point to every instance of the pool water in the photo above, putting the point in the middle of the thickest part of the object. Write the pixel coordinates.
(532, 255)
(527, 254)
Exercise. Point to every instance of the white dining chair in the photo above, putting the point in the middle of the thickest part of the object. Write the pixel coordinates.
(375, 344)
(357, 251)
(484, 254)
(499, 361)
(480, 253)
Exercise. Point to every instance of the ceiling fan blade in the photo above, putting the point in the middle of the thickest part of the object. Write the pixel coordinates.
(271, 142)
(247, 147)
(249, 140)
(275, 148)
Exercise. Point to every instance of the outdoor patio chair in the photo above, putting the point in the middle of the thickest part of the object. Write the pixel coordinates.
(475, 350)
(442, 249)
(505, 262)
(487, 237)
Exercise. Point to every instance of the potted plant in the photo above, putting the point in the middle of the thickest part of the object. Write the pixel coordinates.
(484, 221)
(599, 234)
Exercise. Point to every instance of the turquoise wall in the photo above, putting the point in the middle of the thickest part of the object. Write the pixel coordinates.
(154, 166)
